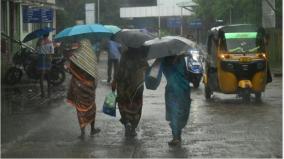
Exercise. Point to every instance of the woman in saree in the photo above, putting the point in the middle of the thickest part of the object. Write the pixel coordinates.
(177, 95)
(130, 86)
(82, 89)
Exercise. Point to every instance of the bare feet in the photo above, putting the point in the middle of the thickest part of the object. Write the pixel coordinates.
(127, 130)
(174, 142)
(81, 137)
(95, 131)
(130, 131)
(133, 132)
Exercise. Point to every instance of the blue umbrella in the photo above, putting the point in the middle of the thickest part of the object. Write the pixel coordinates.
(37, 33)
(84, 31)
(114, 29)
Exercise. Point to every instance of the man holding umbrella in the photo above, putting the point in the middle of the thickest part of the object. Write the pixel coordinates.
(45, 49)
(113, 58)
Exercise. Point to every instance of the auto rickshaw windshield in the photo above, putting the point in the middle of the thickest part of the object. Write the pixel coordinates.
(242, 42)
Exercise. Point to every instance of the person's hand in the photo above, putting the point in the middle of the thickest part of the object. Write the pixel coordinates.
(113, 85)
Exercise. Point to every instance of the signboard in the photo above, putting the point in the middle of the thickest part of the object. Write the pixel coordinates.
(174, 22)
(241, 35)
(90, 13)
(37, 15)
(195, 24)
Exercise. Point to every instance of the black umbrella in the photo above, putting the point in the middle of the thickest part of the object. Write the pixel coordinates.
(133, 38)
(168, 46)
(37, 33)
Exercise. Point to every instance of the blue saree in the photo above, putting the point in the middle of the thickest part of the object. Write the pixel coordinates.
(177, 94)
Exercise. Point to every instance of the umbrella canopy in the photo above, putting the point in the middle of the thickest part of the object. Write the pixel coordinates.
(168, 46)
(133, 37)
(37, 33)
(114, 29)
(84, 31)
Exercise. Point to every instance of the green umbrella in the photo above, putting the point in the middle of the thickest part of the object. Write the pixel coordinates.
(114, 29)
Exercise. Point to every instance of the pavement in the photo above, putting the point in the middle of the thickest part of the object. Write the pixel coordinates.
(33, 127)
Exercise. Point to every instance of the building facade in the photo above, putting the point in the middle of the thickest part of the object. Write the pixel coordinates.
(158, 14)
(13, 27)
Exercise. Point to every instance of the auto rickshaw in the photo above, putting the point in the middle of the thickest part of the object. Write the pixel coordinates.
(237, 61)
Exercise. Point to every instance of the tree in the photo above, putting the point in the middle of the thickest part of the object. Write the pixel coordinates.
(231, 11)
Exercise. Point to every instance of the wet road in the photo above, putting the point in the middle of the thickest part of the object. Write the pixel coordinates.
(221, 127)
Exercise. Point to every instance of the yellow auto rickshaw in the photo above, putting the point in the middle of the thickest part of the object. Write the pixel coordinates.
(237, 61)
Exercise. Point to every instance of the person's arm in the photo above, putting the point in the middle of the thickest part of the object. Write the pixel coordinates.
(52, 49)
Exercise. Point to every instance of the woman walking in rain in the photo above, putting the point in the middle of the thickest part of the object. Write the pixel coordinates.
(81, 93)
(130, 87)
(177, 95)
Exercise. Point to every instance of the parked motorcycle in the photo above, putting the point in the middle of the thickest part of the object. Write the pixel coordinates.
(194, 66)
(25, 60)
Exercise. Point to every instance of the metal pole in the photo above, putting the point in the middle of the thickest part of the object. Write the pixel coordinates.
(159, 21)
(181, 22)
(231, 15)
(98, 11)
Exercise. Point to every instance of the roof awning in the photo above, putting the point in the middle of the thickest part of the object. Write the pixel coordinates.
(39, 3)
(188, 5)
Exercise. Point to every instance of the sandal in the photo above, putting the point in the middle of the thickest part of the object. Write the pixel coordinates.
(174, 142)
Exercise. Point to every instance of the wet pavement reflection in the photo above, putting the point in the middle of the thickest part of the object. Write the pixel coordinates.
(221, 127)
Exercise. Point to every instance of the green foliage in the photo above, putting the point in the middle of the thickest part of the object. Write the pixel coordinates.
(234, 11)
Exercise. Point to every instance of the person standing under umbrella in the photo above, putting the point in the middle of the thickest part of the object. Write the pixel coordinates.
(113, 58)
(177, 95)
(82, 89)
(130, 86)
(45, 50)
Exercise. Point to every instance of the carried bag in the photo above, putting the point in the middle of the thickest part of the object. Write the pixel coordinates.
(109, 106)
(153, 76)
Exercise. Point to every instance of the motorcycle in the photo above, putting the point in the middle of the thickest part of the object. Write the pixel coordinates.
(194, 66)
(25, 60)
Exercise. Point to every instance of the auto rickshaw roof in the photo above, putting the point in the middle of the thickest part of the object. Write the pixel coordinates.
(235, 28)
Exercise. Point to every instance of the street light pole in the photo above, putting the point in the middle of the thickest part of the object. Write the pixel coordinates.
(98, 11)
(159, 22)
(230, 15)
(181, 22)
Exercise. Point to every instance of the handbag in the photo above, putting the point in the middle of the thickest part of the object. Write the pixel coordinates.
(109, 106)
(153, 76)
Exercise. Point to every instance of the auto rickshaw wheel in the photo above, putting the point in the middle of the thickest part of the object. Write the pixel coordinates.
(246, 95)
(208, 92)
(258, 97)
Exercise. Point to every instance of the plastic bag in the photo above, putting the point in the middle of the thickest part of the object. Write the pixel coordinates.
(153, 76)
(109, 106)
